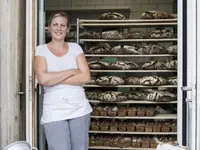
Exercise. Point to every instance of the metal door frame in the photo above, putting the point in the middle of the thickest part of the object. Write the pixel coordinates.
(190, 88)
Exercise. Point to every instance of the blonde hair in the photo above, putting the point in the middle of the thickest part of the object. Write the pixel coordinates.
(57, 14)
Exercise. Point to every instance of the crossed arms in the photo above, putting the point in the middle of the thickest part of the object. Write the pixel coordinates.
(71, 77)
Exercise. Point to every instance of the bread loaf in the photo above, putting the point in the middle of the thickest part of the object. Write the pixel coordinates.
(125, 142)
(98, 65)
(112, 96)
(154, 65)
(172, 49)
(160, 96)
(157, 15)
(112, 35)
(95, 125)
(124, 65)
(104, 125)
(114, 125)
(172, 80)
(171, 65)
(132, 80)
(112, 111)
(135, 35)
(110, 80)
(112, 16)
(152, 80)
(152, 49)
(137, 95)
(161, 34)
(101, 48)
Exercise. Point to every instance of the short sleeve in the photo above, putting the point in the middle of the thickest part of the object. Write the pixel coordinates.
(77, 49)
(40, 51)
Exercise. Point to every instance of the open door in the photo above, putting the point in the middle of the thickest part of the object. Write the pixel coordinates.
(31, 41)
(190, 88)
(198, 73)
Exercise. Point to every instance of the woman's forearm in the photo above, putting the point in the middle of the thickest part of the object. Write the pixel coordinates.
(54, 78)
(78, 79)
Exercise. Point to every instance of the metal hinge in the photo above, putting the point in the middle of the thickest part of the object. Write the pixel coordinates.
(21, 93)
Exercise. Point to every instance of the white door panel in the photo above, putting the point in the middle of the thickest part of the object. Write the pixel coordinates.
(198, 73)
(191, 74)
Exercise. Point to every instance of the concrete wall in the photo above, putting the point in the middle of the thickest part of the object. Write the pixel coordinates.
(136, 6)
(12, 50)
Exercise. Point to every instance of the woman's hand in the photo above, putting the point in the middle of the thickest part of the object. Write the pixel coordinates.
(51, 78)
(83, 76)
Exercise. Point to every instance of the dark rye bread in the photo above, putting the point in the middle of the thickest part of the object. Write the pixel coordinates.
(135, 35)
(161, 34)
(91, 35)
(124, 65)
(172, 80)
(98, 65)
(127, 49)
(152, 49)
(157, 15)
(132, 80)
(92, 95)
(110, 80)
(171, 65)
(112, 96)
(154, 65)
(152, 80)
(112, 16)
(160, 96)
(136, 95)
(101, 48)
(112, 35)
(172, 49)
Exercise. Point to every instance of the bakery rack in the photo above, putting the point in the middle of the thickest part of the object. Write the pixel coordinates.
(127, 24)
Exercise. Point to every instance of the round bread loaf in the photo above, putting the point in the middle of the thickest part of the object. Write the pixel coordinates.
(172, 49)
(92, 95)
(160, 96)
(135, 35)
(98, 65)
(101, 48)
(112, 96)
(152, 49)
(132, 80)
(154, 65)
(171, 64)
(130, 50)
(112, 35)
(116, 49)
(157, 15)
(152, 80)
(110, 80)
(124, 65)
(172, 80)
(112, 16)
(137, 95)
(161, 34)
(92, 35)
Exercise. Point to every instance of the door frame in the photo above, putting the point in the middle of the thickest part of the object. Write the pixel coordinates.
(191, 90)
(31, 42)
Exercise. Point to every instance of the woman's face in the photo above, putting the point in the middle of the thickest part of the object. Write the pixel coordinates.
(58, 28)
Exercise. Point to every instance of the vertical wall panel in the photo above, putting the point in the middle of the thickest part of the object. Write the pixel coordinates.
(11, 57)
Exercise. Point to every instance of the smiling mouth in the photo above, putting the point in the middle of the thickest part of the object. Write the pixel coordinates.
(58, 33)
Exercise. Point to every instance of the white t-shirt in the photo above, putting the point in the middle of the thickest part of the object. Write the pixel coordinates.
(62, 101)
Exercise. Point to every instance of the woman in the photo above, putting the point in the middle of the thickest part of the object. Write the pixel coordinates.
(61, 68)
